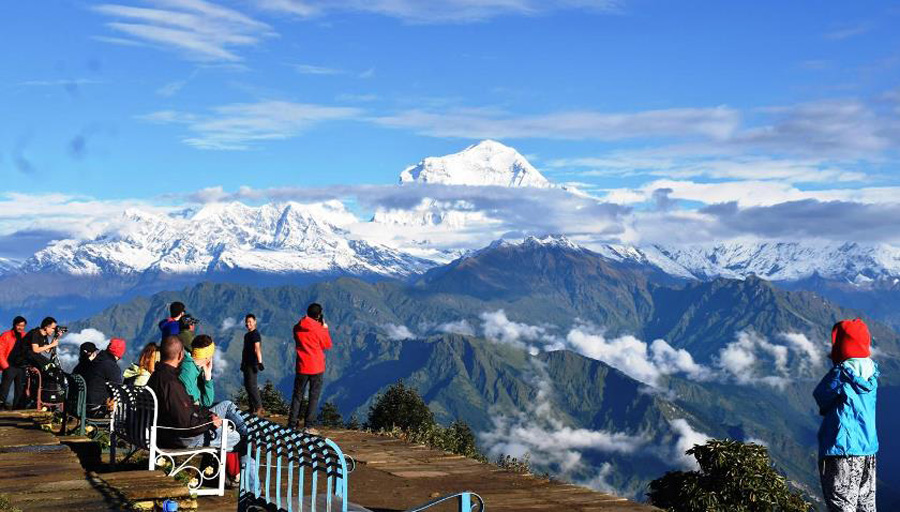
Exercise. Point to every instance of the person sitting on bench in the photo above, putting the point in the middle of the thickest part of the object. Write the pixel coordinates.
(198, 426)
(104, 368)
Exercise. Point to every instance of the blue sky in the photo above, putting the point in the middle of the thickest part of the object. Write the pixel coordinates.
(133, 99)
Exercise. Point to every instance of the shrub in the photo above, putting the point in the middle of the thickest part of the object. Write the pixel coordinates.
(272, 399)
(401, 407)
(353, 423)
(733, 476)
(329, 416)
(514, 464)
(458, 438)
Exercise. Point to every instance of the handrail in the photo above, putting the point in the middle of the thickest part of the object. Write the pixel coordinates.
(468, 502)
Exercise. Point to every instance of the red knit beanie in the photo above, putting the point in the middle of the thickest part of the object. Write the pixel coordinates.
(849, 339)
(116, 347)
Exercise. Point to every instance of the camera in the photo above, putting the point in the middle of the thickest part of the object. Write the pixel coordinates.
(188, 321)
(60, 330)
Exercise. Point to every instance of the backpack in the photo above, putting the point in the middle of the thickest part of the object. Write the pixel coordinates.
(53, 385)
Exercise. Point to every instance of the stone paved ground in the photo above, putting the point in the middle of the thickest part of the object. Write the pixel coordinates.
(393, 475)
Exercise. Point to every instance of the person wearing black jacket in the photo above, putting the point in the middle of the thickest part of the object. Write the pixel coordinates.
(251, 364)
(102, 370)
(200, 426)
(37, 346)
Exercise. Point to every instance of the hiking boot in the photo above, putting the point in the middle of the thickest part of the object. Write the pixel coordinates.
(311, 431)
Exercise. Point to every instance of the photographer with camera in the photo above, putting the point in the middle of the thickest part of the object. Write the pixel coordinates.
(187, 325)
(311, 339)
(42, 341)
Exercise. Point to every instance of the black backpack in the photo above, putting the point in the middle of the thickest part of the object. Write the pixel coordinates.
(53, 384)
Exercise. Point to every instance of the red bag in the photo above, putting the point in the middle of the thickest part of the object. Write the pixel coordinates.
(232, 464)
(849, 339)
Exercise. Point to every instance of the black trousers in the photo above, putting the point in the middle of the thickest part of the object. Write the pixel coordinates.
(13, 376)
(315, 389)
(250, 384)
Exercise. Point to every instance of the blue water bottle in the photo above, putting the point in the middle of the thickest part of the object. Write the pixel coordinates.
(169, 506)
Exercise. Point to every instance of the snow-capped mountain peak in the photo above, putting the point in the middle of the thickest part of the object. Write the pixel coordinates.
(488, 163)
(273, 239)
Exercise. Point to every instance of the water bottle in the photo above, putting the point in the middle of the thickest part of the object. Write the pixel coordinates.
(169, 506)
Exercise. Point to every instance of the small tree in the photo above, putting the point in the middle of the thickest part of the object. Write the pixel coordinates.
(272, 399)
(329, 416)
(353, 423)
(402, 407)
(733, 476)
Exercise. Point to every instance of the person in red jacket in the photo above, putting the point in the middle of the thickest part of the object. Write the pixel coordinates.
(11, 373)
(312, 339)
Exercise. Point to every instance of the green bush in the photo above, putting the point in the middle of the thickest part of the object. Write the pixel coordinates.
(514, 464)
(6, 505)
(399, 407)
(329, 416)
(272, 400)
(733, 476)
(353, 423)
(458, 438)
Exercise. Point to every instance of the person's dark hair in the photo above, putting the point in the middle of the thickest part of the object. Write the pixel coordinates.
(202, 341)
(85, 351)
(176, 308)
(18, 320)
(47, 322)
(249, 315)
(170, 348)
(314, 311)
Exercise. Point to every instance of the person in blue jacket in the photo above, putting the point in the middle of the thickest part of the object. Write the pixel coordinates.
(172, 326)
(848, 441)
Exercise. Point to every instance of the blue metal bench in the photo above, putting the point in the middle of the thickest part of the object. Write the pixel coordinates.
(306, 473)
(75, 406)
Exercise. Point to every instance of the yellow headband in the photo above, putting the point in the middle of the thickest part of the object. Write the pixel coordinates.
(203, 353)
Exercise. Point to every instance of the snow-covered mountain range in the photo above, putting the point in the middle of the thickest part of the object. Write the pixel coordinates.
(292, 238)
(285, 238)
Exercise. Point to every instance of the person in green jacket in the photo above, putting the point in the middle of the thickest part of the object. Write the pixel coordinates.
(196, 371)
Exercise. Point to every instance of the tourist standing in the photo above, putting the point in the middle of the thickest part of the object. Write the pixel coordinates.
(252, 363)
(848, 441)
(12, 375)
(312, 338)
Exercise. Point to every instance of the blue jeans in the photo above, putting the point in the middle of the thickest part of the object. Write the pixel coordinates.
(227, 410)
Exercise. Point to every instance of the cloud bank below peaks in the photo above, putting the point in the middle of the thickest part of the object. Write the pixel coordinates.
(749, 359)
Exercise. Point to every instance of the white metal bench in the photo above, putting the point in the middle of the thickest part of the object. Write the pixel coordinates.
(134, 421)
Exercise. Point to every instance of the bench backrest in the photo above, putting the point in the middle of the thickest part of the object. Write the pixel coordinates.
(297, 471)
(76, 401)
(134, 417)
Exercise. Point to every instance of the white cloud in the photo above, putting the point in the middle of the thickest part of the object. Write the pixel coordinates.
(551, 444)
(308, 69)
(686, 438)
(220, 364)
(197, 29)
(714, 123)
(437, 11)
(239, 125)
(633, 356)
(751, 359)
(68, 346)
(397, 332)
(228, 324)
(458, 327)
(498, 327)
(811, 356)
